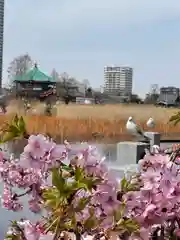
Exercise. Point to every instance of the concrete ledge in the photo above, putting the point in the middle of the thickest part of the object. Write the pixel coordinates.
(130, 152)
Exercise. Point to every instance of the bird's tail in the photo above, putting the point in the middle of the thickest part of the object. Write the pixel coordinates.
(146, 137)
(143, 134)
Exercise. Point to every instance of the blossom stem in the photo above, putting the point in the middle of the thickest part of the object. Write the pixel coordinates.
(23, 194)
(162, 233)
(57, 231)
(78, 236)
(51, 225)
(178, 222)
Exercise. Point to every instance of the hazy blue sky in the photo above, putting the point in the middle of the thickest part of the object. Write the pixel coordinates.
(81, 36)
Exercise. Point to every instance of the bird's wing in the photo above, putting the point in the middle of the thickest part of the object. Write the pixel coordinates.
(128, 125)
(149, 121)
(139, 130)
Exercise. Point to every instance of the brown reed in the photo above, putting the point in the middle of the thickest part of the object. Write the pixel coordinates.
(104, 123)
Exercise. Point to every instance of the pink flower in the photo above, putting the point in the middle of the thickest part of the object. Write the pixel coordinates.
(154, 162)
(108, 222)
(31, 231)
(177, 232)
(9, 200)
(148, 210)
(40, 153)
(37, 146)
(34, 205)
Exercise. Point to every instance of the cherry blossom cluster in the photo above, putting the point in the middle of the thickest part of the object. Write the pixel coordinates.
(80, 195)
(156, 204)
(31, 172)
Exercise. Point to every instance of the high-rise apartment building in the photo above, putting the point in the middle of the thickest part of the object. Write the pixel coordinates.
(1, 38)
(118, 80)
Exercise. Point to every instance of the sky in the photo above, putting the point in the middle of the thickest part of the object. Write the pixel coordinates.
(80, 37)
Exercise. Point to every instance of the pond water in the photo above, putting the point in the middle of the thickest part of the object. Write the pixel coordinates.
(109, 150)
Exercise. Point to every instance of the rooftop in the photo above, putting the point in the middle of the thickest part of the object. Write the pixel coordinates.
(34, 75)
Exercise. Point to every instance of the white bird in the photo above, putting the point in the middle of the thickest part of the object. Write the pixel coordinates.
(155, 149)
(150, 123)
(134, 129)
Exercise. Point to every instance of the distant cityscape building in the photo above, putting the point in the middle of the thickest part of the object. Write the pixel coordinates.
(169, 94)
(1, 38)
(118, 80)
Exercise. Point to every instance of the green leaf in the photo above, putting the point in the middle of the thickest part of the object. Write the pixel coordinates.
(15, 120)
(51, 203)
(120, 212)
(7, 137)
(131, 226)
(90, 182)
(82, 204)
(12, 237)
(81, 185)
(127, 186)
(13, 223)
(22, 125)
(52, 198)
(90, 223)
(67, 168)
(128, 225)
(57, 180)
(124, 184)
(132, 187)
(50, 193)
(13, 129)
(78, 173)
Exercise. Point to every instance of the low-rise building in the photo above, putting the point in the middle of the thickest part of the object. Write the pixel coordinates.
(170, 95)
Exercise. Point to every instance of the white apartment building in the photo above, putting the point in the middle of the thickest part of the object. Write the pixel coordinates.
(1, 38)
(118, 80)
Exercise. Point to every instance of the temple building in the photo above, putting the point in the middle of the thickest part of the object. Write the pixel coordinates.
(35, 84)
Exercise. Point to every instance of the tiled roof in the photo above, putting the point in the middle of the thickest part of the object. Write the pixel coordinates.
(34, 75)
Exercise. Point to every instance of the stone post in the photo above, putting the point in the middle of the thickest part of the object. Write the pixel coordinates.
(130, 152)
(155, 138)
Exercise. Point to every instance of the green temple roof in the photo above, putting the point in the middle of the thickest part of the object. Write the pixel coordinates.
(34, 75)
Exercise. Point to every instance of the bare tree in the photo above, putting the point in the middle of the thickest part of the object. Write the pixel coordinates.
(65, 81)
(153, 95)
(55, 75)
(19, 66)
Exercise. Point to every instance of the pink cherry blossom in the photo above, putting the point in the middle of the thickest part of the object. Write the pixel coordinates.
(31, 231)
(150, 199)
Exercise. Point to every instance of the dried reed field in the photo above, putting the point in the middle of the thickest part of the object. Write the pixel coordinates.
(101, 122)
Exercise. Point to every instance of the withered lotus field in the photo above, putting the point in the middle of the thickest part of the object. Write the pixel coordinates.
(104, 123)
